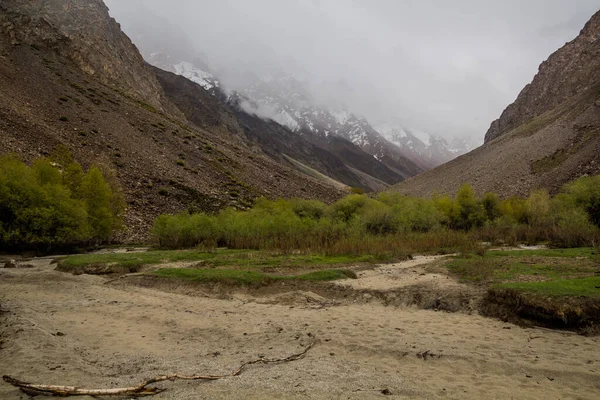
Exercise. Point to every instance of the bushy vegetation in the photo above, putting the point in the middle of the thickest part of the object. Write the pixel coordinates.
(391, 224)
(56, 204)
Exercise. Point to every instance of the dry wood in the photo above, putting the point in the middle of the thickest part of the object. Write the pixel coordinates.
(141, 389)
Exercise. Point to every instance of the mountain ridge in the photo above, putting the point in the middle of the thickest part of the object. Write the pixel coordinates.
(570, 70)
(560, 143)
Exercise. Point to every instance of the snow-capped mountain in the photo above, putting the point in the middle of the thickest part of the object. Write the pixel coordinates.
(432, 149)
(202, 78)
(288, 101)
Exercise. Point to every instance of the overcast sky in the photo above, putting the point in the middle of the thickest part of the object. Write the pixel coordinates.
(444, 67)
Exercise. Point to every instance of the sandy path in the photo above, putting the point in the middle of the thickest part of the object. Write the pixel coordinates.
(117, 335)
(399, 275)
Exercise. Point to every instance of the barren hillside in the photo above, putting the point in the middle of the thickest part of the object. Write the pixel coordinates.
(68, 75)
(548, 136)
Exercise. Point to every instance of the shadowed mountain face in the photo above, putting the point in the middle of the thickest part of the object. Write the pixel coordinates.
(70, 76)
(213, 108)
(548, 136)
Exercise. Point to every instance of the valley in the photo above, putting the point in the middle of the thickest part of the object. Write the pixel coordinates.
(298, 207)
(94, 331)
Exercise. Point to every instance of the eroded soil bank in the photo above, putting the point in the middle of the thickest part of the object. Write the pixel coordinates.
(77, 330)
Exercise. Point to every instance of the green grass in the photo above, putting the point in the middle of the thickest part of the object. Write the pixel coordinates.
(587, 287)
(550, 162)
(552, 272)
(218, 258)
(245, 277)
(588, 252)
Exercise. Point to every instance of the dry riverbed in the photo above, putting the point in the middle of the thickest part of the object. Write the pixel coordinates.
(376, 337)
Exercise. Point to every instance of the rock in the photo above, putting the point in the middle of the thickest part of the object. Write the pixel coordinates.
(10, 264)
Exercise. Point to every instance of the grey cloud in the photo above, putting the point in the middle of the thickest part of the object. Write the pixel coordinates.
(447, 68)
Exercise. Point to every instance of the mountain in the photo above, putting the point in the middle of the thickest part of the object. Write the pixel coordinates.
(288, 101)
(548, 136)
(574, 69)
(277, 90)
(429, 149)
(70, 76)
(277, 134)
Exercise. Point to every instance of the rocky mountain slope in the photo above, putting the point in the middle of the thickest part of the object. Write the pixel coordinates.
(279, 134)
(573, 69)
(548, 136)
(212, 109)
(68, 75)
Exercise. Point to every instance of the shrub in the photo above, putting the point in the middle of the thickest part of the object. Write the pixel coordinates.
(585, 193)
(45, 207)
(390, 225)
(491, 206)
(573, 229)
(538, 208)
(347, 208)
(467, 212)
(313, 209)
(379, 218)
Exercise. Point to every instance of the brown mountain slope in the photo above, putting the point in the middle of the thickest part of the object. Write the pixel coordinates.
(549, 136)
(164, 163)
(214, 110)
(572, 69)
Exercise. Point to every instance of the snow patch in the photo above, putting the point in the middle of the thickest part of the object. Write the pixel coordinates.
(202, 78)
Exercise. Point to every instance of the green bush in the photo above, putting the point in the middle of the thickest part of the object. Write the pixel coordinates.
(467, 212)
(585, 193)
(390, 224)
(52, 206)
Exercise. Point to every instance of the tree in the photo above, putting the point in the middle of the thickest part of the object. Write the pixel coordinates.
(538, 206)
(491, 205)
(467, 212)
(585, 193)
(96, 194)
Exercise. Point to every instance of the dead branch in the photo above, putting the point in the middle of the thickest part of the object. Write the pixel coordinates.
(141, 389)
(385, 392)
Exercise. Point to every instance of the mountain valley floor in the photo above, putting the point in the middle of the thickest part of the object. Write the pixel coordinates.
(92, 331)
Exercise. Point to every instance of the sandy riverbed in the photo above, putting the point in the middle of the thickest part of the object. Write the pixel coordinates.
(77, 330)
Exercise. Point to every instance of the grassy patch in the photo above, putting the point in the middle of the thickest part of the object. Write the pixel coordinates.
(550, 162)
(586, 252)
(246, 277)
(532, 270)
(587, 287)
(220, 258)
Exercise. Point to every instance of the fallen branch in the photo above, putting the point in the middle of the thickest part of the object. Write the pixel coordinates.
(141, 389)
(385, 392)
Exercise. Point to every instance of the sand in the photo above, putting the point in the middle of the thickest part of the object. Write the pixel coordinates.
(77, 330)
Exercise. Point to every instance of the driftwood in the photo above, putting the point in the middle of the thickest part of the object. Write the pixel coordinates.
(142, 389)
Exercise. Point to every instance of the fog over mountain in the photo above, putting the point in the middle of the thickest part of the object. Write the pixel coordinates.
(446, 68)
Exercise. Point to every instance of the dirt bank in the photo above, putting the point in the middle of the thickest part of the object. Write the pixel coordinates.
(77, 330)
